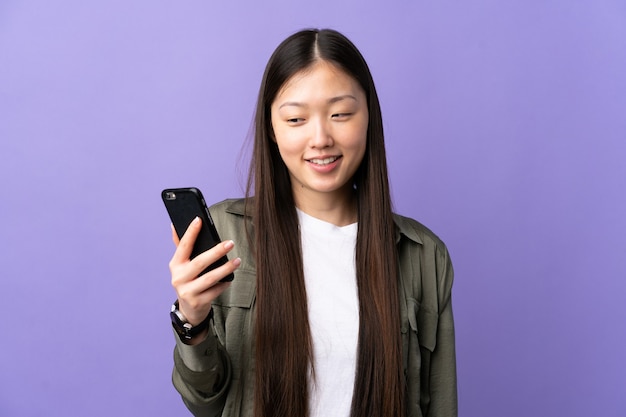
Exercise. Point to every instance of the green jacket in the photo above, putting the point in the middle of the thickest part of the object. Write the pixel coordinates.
(216, 377)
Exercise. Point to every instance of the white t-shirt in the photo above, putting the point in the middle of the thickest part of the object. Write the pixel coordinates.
(329, 272)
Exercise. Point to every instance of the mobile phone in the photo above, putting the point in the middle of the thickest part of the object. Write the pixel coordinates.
(185, 204)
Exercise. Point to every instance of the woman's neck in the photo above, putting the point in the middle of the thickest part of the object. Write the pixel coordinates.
(339, 209)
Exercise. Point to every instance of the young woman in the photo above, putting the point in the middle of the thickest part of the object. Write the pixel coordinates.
(338, 307)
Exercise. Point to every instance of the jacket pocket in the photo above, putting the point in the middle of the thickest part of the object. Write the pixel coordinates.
(424, 322)
(233, 321)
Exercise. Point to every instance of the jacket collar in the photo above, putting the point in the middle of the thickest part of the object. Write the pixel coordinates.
(402, 224)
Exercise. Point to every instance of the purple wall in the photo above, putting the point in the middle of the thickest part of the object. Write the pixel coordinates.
(506, 131)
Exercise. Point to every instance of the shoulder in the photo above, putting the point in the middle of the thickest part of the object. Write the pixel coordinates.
(228, 218)
(231, 205)
(425, 263)
(231, 223)
(417, 232)
(229, 210)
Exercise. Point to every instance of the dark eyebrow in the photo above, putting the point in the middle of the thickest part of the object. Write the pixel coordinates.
(339, 98)
(291, 103)
(330, 101)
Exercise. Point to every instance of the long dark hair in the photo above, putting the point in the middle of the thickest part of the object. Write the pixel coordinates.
(284, 353)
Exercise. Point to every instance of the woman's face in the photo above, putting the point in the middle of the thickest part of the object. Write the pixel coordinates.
(320, 121)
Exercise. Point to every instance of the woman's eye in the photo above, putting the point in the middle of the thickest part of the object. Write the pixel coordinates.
(341, 115)
(294, 120)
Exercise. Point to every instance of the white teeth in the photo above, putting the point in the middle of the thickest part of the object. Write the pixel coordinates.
(324, 161)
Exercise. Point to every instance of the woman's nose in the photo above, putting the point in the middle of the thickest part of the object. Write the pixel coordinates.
(321, 136)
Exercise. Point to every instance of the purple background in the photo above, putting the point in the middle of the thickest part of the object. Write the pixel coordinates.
(506, 133)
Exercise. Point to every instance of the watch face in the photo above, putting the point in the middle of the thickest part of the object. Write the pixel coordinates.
(178, 320)
(181, 318)
(180, 327)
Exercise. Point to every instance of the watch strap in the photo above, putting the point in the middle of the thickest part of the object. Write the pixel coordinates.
(184, 329)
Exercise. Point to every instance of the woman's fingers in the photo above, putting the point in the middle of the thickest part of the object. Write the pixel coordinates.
(195, 296)
(184, 270)
(209, 257)
(214, 276)
(185, 245)
(196, 292)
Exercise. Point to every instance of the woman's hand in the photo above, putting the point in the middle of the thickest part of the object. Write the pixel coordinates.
(196, 293)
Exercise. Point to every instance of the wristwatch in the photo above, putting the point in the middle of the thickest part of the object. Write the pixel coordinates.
(185, 330)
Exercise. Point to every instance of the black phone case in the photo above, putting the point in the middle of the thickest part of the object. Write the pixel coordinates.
(185, 204)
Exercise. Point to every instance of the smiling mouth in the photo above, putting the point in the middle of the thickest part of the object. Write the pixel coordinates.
(324, 161)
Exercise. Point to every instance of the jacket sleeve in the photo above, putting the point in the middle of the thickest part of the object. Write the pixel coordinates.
(443, 383)
(202, 375)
